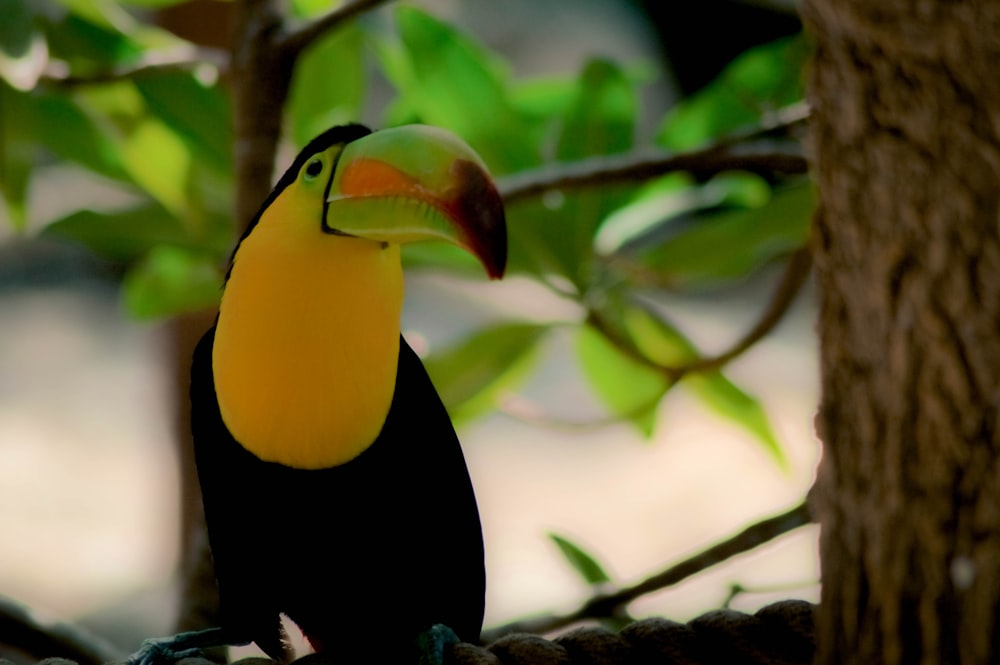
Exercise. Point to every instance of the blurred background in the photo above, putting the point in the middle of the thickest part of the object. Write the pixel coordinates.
(562, 433)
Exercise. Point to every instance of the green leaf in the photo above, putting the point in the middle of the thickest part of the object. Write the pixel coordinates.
(110, 17)
(311, 8)
(659, 209)
(469, 375)
(197, 112)
(557, 234)
(170, 281)
(328, 85)
(728, 245)
(68, 131)
(544, 98)
(666, 345)
(17, 29)
(582, 562)
(158, 160)
(630, 388)
(17, 152)
(761, 79)
(601, 119)
(89, 46)
(648, 207)
(738, 406)
(452, 82)
(129, 234)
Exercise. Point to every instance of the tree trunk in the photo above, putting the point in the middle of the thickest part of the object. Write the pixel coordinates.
(906, 141)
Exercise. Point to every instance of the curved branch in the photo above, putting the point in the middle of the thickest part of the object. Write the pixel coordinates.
(794, 278)
(792, 281)
(610, 604)
(720, 156)
(297, 40)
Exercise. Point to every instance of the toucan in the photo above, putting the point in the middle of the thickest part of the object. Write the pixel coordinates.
(335, 490)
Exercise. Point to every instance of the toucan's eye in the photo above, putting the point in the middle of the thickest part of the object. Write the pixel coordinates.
(313, 168)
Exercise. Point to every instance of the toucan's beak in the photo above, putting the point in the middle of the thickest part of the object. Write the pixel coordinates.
(416, 183)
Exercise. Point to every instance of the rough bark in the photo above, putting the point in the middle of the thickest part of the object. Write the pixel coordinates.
(906, 146)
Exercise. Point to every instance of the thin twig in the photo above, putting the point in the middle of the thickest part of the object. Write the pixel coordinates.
(609, 604)
(716, 158)
(794, 278)
(297, 40)
(188, 57)
(28, 632)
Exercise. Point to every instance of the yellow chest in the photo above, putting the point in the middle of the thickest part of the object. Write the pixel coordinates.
(307, 345)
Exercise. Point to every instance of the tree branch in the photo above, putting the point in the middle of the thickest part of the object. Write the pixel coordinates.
(610, 604)
(26, 631)
(189, 57)
(794, 278)
(297, 40)
(703, 163)
(792, 281)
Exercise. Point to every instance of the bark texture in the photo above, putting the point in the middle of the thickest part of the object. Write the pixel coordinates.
(906, 147)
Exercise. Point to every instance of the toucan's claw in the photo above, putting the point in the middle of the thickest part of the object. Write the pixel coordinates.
(433, 642)
(169, 650)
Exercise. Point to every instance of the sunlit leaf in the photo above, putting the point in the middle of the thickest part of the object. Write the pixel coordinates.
(129, 234)
(630, 388)
(170, 281)
(584, 563)
(470, 374)
(311, 8)
(728, 245)
(328, 85)
(666, 207)
(197, 112)
(666, 345)
(762, 79)
(738, 406)
(158, 160)
(648, 207)
(119, 102)
(543, 98)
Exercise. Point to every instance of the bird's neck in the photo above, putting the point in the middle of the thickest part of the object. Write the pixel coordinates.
(307, 345)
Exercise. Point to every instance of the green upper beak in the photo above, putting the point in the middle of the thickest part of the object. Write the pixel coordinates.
(415, 183)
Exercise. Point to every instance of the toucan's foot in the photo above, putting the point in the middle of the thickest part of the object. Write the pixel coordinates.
(433, 642)
(169, 650)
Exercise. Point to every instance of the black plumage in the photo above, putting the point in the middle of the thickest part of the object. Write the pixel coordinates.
(362, 556)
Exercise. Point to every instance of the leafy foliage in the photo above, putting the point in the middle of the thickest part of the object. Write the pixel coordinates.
(584, 563)
(164, 135)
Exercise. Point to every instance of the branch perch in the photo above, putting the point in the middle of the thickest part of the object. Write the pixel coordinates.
(647, 164)
(609, 605)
